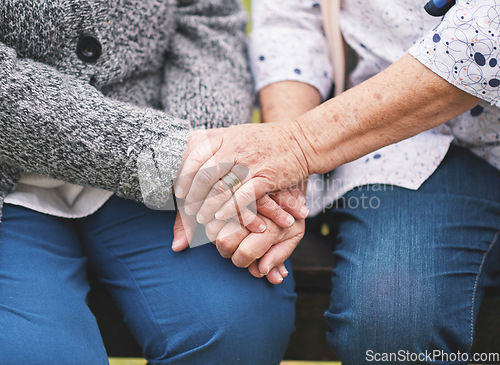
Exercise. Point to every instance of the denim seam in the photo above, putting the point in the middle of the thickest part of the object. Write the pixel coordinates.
(474, 293)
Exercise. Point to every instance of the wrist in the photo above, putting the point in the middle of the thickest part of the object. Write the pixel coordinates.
(314, 133)
(300, 146)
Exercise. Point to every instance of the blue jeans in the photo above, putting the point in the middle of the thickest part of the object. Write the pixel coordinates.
(192, 307)
(412, 266)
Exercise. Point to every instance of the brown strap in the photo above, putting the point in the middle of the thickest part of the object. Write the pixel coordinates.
(331, 11)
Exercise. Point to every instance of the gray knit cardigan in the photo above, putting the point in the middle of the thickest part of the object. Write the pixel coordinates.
(86, 112)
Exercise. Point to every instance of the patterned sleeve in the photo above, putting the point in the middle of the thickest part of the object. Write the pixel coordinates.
(464, 48)
(288, 43)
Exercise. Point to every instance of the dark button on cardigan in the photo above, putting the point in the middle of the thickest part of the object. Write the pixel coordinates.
(88, 49)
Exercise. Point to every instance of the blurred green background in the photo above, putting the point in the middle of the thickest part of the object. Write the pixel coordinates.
(247, 5)
(256, 112)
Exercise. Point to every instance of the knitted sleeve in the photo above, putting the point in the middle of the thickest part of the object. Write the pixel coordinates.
(58, 126)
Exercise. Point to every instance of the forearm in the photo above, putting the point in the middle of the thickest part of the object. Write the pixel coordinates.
(286, 100)
(398, 103)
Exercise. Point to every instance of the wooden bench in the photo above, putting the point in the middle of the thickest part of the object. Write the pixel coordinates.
(140, 361)
(312, 264)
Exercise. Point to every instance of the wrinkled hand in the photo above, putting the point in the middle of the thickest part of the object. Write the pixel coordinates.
(264, 157)
(272, 247)
(263, 254)
(281, 207)
(284, 206)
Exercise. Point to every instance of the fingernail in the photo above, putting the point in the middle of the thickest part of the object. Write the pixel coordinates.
(220, 215)
(267, 272)
(280, 279)
(175, 244)
(179, 193)
(304, 211)
(289, 220)
(283, 271)
(201, 219)
(262, 228)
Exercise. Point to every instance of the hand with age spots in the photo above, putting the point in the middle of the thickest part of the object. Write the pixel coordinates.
(281, 213)
(278, 155)
(265, 158)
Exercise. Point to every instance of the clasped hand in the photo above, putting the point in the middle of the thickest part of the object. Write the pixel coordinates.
(242, 184)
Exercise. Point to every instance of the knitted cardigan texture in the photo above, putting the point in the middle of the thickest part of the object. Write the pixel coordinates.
(165, 66)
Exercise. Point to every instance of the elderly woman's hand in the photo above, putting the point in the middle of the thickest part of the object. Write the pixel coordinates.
(246, 160)
(272, 156)
(263, 254)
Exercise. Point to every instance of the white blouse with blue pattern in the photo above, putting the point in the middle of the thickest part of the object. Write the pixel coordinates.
(288, 43)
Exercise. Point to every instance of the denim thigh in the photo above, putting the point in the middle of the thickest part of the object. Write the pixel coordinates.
(44, 317)
(412, 266)
(193, 307)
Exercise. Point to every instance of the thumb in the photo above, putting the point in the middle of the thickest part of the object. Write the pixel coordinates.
(183, 232)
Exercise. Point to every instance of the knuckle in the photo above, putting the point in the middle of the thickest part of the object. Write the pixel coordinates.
(287, 199)
(247, 217)
(266, 202)
(291, 202)
(223, 242)
(245, 197)
(224, 252)
(194, 157)
(277, 211)
(245, 257)
(204, 177)
(178, 227)
(218, 193)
